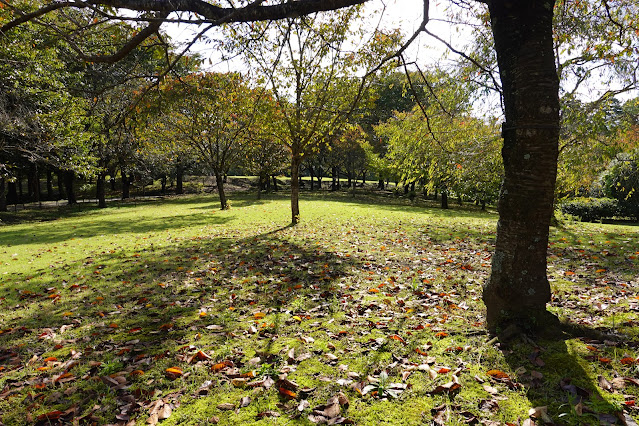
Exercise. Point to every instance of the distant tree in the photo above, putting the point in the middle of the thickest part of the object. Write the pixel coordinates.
(307, 67)
(213, 114)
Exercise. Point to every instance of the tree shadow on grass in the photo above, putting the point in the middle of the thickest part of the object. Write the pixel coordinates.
(559, 375)
(139, 312)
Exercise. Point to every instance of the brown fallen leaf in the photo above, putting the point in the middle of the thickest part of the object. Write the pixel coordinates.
(245, 401)
(448, 388)
(227, 406)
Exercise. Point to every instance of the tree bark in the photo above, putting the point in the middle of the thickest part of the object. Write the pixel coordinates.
(296, 160)
(518, 289)
(179, 176)
(12, 193)
(126, 186)
(219, 181)
(49, 184)
(444, 202)
(274, 183)
(69, 177)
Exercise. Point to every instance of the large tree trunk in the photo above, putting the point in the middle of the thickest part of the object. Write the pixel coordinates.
(219, 180)
(518, 289)
(296, 160)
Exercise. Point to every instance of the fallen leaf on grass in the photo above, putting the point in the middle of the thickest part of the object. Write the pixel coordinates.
(497, 374)
(174, 372)
(540, 413)
(449, 387)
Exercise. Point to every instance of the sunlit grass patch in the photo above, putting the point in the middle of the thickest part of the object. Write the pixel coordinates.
(122, 296)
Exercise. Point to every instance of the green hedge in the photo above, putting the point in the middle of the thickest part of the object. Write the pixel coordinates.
(590, 209)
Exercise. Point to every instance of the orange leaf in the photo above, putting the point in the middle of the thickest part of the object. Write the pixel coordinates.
(64, 376)
(421, 352)
(592, 348)
(221, 365)
(51, 358)
(443, 370)
(287, 393)
(627, 361)
(396, 337)
(166, 326)
(135, 330)
(113, 325)
(259, 315)
(136, 373)
(174, 372)
(441, 335)
(604, 360)
(51, 415)
(373, 290)
(497, 374)
(600, 270)
(569, 273)
(202, 356)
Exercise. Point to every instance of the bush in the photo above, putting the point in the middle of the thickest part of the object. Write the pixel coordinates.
(590, 209)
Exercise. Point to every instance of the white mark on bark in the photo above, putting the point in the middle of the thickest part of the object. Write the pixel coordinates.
(545, 110)
(527, 157)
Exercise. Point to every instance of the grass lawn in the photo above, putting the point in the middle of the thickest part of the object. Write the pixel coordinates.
(369, 312)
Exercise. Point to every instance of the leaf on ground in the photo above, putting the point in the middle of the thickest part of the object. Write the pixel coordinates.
(174, 372)
(227, 406)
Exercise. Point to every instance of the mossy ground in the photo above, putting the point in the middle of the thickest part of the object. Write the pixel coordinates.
(362, 285)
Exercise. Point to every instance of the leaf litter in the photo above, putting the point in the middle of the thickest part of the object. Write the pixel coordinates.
(274, 323)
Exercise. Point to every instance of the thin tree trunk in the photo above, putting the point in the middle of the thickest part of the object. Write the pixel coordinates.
(20, 191)
(219, 181)
(100, 190)
(69, 178)
(518, 289)
(126, 186)
(295, 188)
(179, 176)
(49, 184)
(12, 193)
(275, 188)
(380, 184)
(3, 194)
(444, 203)
(311, 172)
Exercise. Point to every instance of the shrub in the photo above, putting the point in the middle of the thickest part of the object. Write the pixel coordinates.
(590, 209)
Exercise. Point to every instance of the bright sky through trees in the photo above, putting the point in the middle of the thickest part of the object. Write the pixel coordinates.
(389, 14)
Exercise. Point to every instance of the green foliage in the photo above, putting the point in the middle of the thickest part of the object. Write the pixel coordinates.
(621, 182)
(591, 209)
(443, 145)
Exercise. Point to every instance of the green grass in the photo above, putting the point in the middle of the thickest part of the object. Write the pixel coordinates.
(114, 297)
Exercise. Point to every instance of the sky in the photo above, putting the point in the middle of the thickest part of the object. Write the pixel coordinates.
(404, 14)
